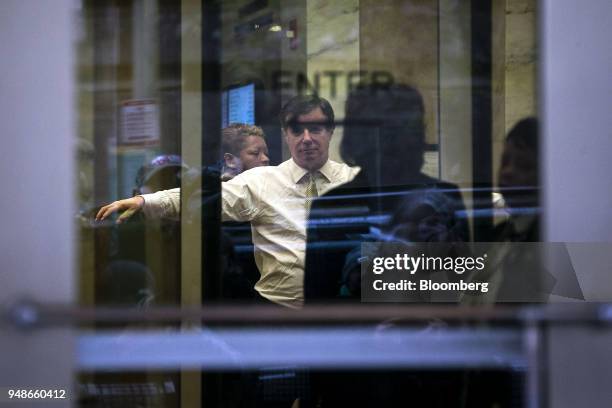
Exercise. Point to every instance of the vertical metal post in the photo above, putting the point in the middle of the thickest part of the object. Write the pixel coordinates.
(535, 383)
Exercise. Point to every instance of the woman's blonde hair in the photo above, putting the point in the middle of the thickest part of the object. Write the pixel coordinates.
(234, 136)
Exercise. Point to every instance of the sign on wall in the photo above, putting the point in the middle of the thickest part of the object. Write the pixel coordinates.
(139, 122)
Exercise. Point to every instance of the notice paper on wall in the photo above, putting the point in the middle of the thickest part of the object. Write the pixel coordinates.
(139, 122)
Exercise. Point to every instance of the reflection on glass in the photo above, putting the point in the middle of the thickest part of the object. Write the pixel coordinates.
(338, 123)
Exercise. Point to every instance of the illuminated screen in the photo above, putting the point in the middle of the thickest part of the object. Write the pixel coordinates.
(238, 105)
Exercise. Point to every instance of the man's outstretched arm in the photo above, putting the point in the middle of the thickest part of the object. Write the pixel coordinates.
(128, 207)
(166, 203)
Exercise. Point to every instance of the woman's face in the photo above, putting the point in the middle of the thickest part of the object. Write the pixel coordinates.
(254, 153)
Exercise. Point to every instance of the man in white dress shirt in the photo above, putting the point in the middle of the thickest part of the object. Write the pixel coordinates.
(274, 199)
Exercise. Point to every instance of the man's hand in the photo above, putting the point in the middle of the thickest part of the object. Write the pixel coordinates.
(129, 206)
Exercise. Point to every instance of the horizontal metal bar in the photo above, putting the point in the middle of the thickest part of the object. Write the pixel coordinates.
(32, 315)
(305, 347)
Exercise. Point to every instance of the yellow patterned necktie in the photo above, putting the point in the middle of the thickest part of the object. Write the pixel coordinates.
(311, 190)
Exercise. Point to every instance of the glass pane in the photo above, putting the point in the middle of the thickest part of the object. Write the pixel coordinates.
(129, 94)
(256, 145)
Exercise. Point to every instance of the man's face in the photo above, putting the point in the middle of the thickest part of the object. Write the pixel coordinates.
(308, 139)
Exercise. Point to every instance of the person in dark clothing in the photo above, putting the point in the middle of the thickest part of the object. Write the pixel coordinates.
(384, 135)
(390, 199)
(244, 147)
(518, 182)
(516, 272)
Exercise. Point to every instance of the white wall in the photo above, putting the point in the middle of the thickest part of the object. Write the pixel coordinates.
(576, 97)
(37, 180)
(576, 89)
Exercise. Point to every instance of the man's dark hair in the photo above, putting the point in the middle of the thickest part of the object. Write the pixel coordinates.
(303, 104)
(384, 124)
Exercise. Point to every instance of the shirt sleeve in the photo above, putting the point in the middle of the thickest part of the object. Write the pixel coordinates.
(239, 199)
(163, 204)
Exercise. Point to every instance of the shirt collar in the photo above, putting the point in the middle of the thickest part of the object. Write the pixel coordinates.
(297, 173)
